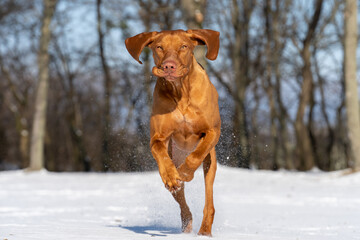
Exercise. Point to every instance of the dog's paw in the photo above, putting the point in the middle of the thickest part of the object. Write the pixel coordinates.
(175, 189)
(186, 174)
(171, 179)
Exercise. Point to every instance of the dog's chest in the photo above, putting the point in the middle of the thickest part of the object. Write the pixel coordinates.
(187, 131)
(187, 119)
(182, 118)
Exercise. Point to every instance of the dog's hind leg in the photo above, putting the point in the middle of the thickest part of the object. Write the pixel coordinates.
(186, 217)
(209, 166)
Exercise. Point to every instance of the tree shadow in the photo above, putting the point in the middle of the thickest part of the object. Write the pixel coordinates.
(153, 230)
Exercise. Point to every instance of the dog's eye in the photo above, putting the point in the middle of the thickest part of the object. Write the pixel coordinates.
(183, 47)
(159, 47)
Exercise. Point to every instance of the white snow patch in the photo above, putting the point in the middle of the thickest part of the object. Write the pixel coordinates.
(259, 205)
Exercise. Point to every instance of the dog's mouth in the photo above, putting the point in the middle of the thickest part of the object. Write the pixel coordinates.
(170, 75)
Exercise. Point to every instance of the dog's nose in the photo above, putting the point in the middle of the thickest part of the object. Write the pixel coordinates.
(169, 66)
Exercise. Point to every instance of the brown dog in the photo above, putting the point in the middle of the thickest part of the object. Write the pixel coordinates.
(185, 120)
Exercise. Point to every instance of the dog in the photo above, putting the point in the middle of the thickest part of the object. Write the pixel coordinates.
(185, 120)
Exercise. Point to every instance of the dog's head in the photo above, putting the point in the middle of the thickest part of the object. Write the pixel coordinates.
(173, 50)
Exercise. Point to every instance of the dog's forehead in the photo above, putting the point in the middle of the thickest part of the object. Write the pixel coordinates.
(175, 37)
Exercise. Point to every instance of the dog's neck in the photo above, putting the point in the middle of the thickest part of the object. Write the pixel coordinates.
(181, 87)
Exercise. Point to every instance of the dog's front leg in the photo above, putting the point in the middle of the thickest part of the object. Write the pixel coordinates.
(167, 169)
(194, 160)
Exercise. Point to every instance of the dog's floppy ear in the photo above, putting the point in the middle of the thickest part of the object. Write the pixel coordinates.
(209, 38)
(136, 44)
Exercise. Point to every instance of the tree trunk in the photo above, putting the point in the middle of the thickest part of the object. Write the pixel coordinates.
(325, 163)
(39, 123)
(24, 141)
(240, 61)
(351, 88)
(20, 120)
(279, 18)
(146, 18)
(256, 158)
(80, 157)
(304, 149)
(107, 93)
(269, 86)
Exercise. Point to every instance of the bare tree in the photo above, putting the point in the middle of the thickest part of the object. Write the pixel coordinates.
(107, 90)
(18, 107)
(304, 149)
(274, 48)
(240, 56)
(351, 87)
(323, 138)
(68, 76)
(39, 124)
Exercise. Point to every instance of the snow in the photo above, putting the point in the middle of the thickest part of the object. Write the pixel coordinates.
(249, 205)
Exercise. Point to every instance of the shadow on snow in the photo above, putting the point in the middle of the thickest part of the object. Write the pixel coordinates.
(153, 231)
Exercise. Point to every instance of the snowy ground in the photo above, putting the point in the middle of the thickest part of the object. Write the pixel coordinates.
(250, 205)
